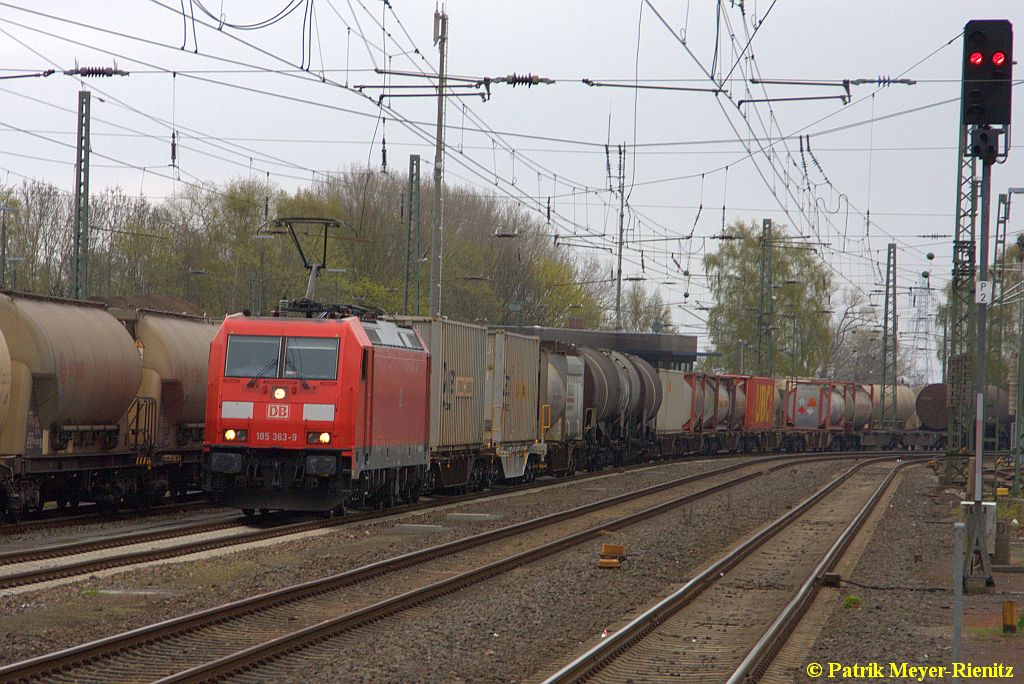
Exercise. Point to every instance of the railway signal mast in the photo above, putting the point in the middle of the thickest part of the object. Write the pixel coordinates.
(985, 137)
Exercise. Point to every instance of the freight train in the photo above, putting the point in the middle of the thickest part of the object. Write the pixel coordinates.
(98, 403)
(320, 413)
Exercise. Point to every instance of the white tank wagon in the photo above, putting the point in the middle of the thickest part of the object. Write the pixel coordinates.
(560, 390)
(602, 390)
(629, 387)
(5, 383)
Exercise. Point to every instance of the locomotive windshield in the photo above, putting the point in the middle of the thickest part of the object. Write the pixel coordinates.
(311, 358)
(259, 356)
(252, 356)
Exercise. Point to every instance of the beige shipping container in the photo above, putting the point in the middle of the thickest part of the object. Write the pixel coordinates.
(458, 367)
(510, 416)
(677, 402)
(511, 423)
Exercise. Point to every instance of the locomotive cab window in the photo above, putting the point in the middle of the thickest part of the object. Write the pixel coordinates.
(251, 356)
(311, 358)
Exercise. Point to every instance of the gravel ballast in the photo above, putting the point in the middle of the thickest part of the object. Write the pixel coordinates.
(910, 555)
(526, 623)
(38, 622)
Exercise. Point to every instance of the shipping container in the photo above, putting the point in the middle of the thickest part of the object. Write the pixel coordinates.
(806, 405)
(458, 365)
(738, 390)
(676, 412)
(760, 410)
(780, 402)
(511, 387)
(860, 407)
(718, 395)
(837, 414)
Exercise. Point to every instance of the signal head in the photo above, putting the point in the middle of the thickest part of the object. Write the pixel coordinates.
(987, 72)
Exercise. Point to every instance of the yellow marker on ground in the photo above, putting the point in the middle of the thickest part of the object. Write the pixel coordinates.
(613, 551)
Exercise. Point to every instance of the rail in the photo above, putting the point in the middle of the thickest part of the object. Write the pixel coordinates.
(600, 655)
(74, 657)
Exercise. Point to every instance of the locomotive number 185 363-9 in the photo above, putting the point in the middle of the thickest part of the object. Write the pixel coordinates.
(277, 436)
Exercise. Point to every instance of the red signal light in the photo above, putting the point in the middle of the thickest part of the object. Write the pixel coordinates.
(977, 58)
(998, 58)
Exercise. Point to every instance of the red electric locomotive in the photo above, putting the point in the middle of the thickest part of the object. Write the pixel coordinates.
(314, 413)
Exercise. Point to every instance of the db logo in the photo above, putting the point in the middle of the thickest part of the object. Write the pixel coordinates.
(279, 411)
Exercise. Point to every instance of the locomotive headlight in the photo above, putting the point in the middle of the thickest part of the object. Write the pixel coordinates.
(280, 393)
(318, 437)
(234, 435)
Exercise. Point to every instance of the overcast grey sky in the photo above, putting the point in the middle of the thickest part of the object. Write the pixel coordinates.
(892, 150)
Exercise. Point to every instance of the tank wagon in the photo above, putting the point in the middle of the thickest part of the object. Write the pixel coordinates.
(560, 397)
(933, 413)
(705, 413)
(97, 404)
(622, 395)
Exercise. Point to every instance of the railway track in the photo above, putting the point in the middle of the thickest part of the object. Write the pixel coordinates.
(728, 621)
(56, 518)
(226, 639)
(85, 566)
(82, 566)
